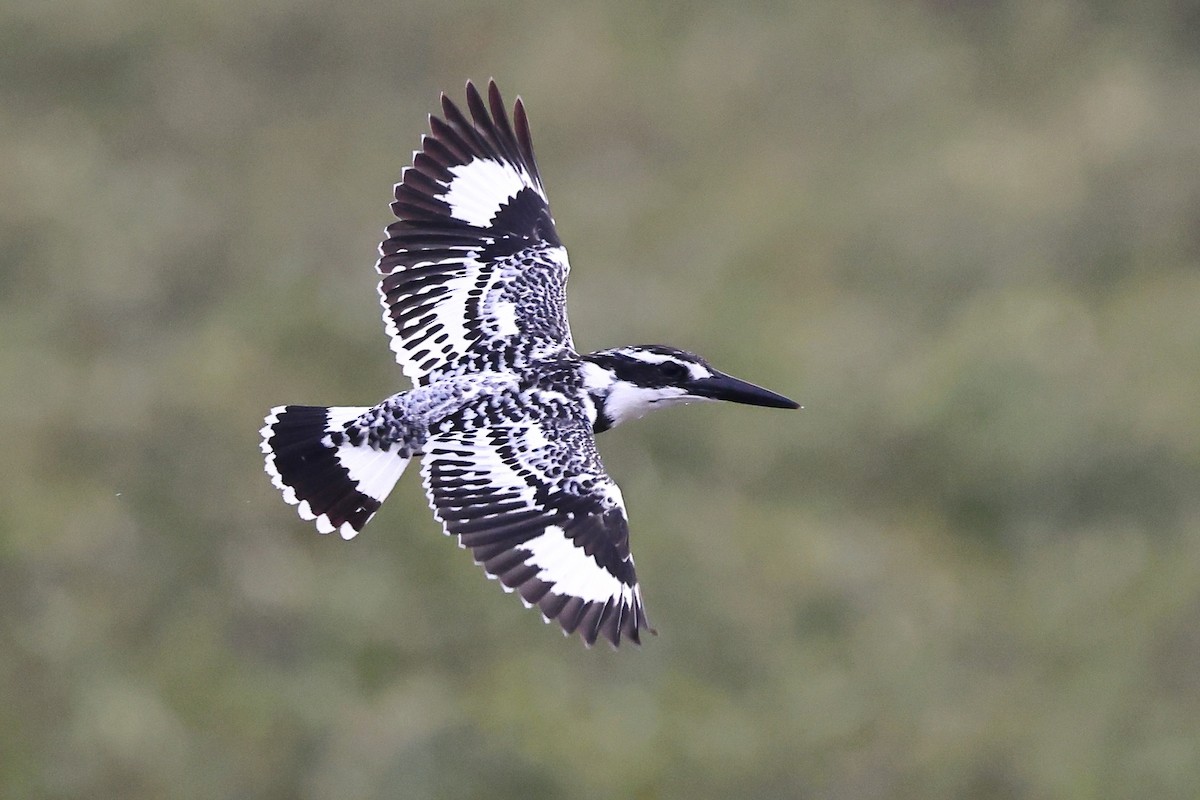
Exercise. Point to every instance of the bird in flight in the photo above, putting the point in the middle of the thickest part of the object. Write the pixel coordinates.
(504, 410)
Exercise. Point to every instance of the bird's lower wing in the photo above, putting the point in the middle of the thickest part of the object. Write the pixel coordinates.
(532, 502)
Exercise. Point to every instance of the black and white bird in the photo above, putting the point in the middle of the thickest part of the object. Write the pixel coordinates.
(503, 409)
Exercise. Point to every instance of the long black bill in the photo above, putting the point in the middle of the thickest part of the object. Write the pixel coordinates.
(726, 387)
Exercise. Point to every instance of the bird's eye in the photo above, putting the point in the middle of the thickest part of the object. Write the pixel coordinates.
(675, 371)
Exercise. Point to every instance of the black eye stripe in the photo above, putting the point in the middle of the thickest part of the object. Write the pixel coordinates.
(675, 370)
(649, 366)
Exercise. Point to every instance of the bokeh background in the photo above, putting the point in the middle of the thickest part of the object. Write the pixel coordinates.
(966, 235)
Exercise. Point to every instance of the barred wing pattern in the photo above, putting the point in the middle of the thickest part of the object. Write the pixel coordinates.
(532, 501)
(474, 272)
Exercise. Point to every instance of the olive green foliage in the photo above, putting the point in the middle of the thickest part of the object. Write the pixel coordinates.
(963, 234)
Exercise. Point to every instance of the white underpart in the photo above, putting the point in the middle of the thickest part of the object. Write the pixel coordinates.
(481, 187)
(613, 496)
(595, 377)
(559, 254)
(628, 401)
(589, 409)
(572, 571)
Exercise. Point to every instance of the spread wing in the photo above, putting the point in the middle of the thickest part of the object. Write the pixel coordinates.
(474, 273)
(532, 501)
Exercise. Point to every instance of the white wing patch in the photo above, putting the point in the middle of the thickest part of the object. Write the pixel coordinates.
(482, 187)
(572, 571)
(532, 502)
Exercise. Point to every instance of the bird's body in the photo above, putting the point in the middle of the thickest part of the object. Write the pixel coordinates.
(504, 409)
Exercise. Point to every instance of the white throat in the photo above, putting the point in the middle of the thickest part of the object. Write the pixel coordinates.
(628, 401)
(620, 401)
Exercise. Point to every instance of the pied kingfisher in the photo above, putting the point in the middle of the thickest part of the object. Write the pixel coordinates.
(504, 409)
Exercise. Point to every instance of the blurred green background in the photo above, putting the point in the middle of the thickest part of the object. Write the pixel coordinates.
(966, 235)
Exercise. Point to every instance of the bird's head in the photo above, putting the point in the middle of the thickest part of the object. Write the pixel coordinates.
(628, 382)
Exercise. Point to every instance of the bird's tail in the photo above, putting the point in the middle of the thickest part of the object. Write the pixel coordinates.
(314, 463)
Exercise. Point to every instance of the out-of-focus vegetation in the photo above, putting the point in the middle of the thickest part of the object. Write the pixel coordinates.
(966, 235)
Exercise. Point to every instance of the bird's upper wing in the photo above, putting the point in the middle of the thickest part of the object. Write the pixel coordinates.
(532, 501)
(474, 273)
